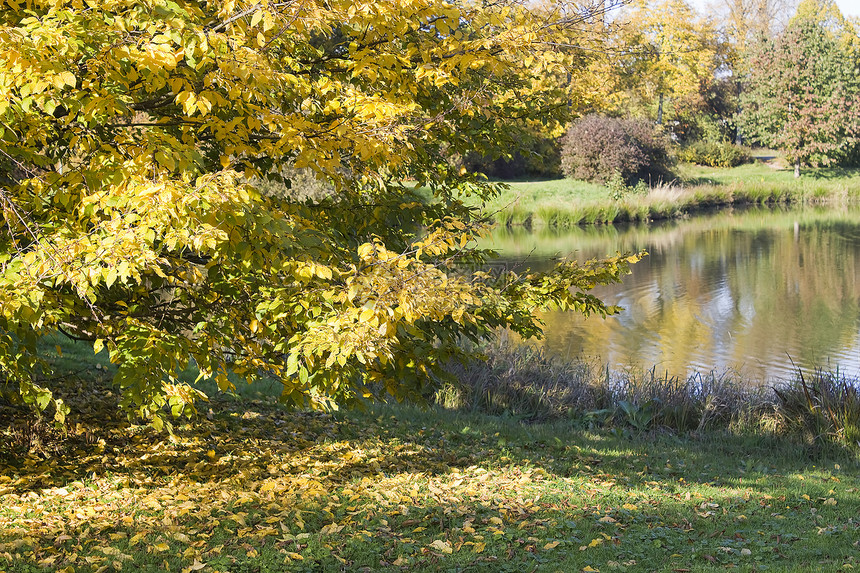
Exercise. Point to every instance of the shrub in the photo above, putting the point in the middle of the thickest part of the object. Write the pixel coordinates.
(713, 154)
(618, 190)
(597, 147)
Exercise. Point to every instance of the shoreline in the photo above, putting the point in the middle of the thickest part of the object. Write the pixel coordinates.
(565, 203)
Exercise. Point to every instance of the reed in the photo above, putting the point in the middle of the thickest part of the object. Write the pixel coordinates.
(524, 382)
(824, 408)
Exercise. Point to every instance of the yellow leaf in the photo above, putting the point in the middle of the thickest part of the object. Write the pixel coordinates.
(161, 546)
(442, 546)
(69, 78)
(255, 19)
(551, 545)
(589, 569)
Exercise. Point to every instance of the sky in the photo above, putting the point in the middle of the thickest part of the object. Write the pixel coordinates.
(847, 7)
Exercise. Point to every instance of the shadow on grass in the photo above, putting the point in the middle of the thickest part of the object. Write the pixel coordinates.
(250, 486)
(832, 173)
(701, 181)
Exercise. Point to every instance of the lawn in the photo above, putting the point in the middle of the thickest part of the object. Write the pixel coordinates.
(250, 486)
(567, 202)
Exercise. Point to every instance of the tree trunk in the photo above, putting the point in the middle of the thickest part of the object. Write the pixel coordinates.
(660, 110)
(797, 168)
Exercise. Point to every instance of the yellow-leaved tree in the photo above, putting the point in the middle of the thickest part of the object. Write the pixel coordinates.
(137, 141)
(660, 51)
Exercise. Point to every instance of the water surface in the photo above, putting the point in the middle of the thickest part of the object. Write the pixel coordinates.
(760, 291)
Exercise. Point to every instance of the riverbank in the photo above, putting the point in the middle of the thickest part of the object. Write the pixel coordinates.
(566, 202)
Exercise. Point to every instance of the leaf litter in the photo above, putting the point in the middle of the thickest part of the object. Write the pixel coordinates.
(250, 484)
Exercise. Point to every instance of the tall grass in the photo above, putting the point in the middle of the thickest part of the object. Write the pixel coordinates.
(823, 409)
(525, 383)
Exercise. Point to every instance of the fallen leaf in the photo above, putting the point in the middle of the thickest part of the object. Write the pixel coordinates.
(442, 546)
(607, 519)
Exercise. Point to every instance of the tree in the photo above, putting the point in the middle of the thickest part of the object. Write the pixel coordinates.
(662, 51)
(134, 139)
(804, 92)
(747, 22)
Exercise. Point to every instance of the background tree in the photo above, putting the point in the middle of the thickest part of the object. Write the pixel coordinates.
(747, 22)
(804, 91)
(744, 24)
(134, 135)
(663, 51)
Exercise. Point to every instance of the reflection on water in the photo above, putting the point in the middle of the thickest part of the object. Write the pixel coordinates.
(755, 291)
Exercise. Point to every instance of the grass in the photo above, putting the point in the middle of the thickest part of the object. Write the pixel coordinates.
(250, 486)
(567, 202)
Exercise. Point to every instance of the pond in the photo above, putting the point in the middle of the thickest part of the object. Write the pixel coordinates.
(759, 291)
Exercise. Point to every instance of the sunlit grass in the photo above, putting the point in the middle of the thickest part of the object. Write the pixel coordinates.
(567, 202)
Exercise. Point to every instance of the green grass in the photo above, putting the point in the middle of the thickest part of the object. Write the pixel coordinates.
(567, 202)
(250, 486)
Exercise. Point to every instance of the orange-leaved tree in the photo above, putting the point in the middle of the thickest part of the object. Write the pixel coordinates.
(137, 144)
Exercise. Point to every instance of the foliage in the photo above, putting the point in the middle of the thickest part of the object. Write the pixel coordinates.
(747, 22)
(618, 190)
(295, 184)
(133, 139)
(662, 51)
(709, 114)
(713, 154)
(254, 487)
(597, 147)
(804, 93)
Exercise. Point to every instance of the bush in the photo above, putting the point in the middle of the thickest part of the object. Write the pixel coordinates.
(713, 154)
(597, 147)
(618, 190)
